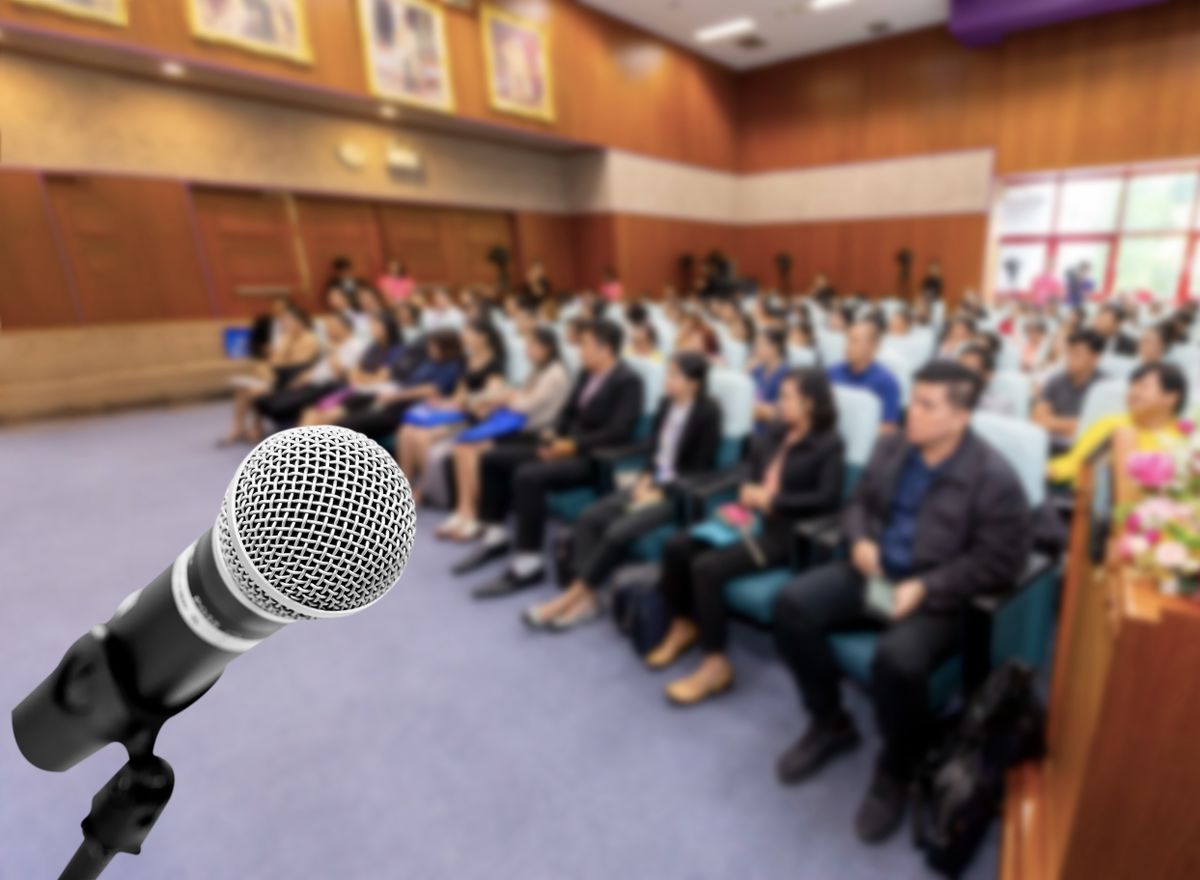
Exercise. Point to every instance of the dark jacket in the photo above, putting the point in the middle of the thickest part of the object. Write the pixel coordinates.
(610, 417)
(974, 527)
(1123, 344)
(697, 449)
(811, 481)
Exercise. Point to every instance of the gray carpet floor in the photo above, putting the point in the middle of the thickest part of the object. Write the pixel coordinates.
(429, 737)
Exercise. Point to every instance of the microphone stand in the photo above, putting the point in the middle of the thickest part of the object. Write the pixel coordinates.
(123, 812)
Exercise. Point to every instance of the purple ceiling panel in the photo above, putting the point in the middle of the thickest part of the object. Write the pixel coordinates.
(979, 22)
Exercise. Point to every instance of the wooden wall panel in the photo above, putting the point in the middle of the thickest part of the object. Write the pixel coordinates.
(445, 245)
(131, 247)
(1105, 90)
(593, 247)
(472, 236)
(549, 238)
(249, 242)
(860, 255)
(649, 248)
(34, 291)
(332, 228)
(614, 85)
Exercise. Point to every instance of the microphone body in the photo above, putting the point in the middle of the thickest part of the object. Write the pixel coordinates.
(316, 523)
(165, 646)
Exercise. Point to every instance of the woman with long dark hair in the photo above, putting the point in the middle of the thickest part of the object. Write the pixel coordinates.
(795, 472)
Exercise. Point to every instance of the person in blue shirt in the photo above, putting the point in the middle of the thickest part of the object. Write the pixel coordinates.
(768, 371)
(860, 370)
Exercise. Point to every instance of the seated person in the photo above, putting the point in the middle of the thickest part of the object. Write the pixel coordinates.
(294, 349)
(343, 351)
(1108, 323)
(481, 380)
(959, 333)
(900, 323)
(795, 472)
(768, 369)
(860, 370)
(982, 362)
(1154, 403)
(1058, 406)
(378, 410)
(540, 401)
(937, 517)
(643, 341)
(684, 442)
(1154, 344)
(603, 411)
(1035, 348)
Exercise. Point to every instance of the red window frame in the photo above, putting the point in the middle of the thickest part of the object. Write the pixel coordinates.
(1106, 279)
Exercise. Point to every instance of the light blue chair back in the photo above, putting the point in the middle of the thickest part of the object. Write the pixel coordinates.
(1118, 366)
(1014, 387)
(832, 346)
(653, 375)
(799, 356)
(733, 390)
(1104, 398)
(859, 416)
(516, 361)
(1023, 443)
(900, 366)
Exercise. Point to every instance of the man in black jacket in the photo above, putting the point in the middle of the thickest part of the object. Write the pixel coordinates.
(603, 411)
(938, 517)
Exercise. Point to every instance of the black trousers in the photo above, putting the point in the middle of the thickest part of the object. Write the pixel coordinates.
(604, 532)
(513, 478)
(376, 422)
(285, 406)
(694, 577)
(832, 599)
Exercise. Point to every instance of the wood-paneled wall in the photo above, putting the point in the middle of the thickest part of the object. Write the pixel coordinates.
(35, 291)
(1115, 88)
(614, 85)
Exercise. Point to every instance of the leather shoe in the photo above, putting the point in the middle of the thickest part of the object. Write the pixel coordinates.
(480, 557)
(823, 740)
(882, 809)
(508, 584)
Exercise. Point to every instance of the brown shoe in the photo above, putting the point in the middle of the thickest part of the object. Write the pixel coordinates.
(698, 687)
(668, 652)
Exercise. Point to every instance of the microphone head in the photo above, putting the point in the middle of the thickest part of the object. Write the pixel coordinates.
(317, 522)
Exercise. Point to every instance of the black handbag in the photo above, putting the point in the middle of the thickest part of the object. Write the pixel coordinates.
(639, 609)
(959, 787)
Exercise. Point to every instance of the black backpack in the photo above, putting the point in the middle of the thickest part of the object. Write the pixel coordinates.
(960, 785)
(639, 609)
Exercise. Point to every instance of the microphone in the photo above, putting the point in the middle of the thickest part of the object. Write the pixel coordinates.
(317, 522)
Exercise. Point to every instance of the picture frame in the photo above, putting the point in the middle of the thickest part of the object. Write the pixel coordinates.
(406, 52)
(239, 24)
(517, 57)
(112, 12)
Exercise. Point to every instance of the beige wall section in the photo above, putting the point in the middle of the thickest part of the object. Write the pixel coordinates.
(946, 183)
(59, 117)
(942, 183)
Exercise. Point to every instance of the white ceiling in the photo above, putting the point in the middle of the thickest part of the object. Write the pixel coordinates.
(789, 28)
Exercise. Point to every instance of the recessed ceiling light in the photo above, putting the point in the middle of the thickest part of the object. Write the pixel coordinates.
(733, 28)
(387, 111)
(173, 69)
(821, 5)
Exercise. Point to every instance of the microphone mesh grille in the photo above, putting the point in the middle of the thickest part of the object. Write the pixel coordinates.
(324, 516)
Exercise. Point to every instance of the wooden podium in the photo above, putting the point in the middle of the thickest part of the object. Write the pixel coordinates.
(1118, 795)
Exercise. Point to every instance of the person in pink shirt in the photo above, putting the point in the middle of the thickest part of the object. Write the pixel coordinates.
(611, 289)
(397, 285)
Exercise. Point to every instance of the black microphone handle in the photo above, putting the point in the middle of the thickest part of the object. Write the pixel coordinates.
(162, 650)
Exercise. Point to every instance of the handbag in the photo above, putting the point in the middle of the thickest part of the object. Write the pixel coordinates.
(959, 787)
(639, 608)
(501, 423)
(425, 416)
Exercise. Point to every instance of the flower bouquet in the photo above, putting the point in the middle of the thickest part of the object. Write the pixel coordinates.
(1159, 536)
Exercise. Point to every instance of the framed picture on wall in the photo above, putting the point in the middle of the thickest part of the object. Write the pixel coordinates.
(406, 52)
(517, 53)
(265, 27)
(108, 11)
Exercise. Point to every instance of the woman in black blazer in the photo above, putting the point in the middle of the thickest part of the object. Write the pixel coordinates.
(796, 468)
(684, 441)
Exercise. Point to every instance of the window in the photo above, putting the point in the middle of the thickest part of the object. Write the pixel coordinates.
(1136, 229)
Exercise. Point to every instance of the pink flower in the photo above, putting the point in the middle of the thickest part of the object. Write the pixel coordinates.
(1153, 470)
(1171, 555)
(1132, 546)
(1186, 427)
